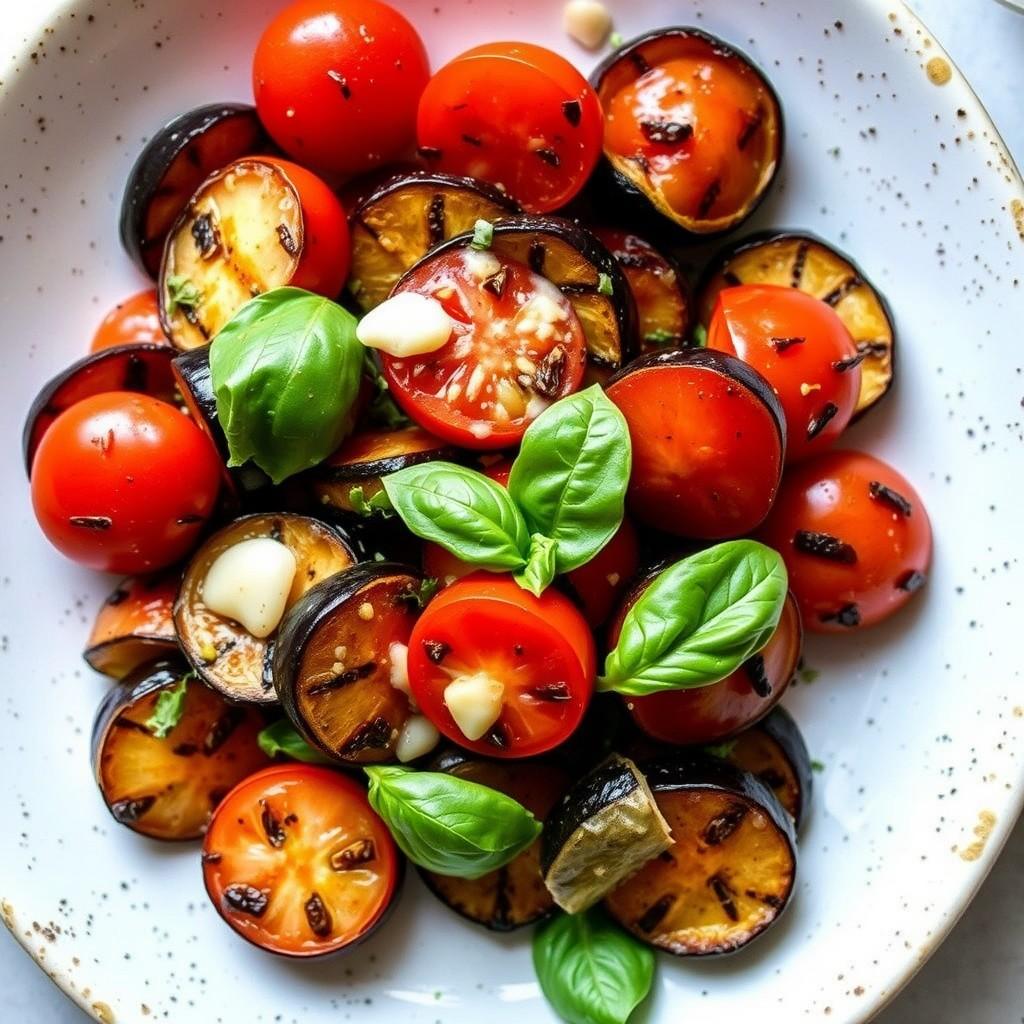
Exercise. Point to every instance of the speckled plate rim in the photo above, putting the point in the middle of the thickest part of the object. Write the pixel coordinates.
(1008, 813)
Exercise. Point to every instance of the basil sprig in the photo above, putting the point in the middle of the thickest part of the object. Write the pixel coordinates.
(285, 371)
(699, 620)
(563, 504)
(449, 825)
(590, 971)
(282, 738)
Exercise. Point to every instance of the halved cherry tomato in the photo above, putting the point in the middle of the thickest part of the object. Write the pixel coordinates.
(297, 862)
(135, 320)
(513, 350)
(803, 349)
(337, 83)
(539, 648)
(515, 114)
(855, 537)
(124, 483)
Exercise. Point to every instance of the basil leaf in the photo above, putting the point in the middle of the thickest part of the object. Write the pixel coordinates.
(447, 824)
(699, 620)
(282, 738)
(571, 473)
(170, 706)
(285, 371)
(536, 577)
(465, 512)
(590, 971)
(363, 506)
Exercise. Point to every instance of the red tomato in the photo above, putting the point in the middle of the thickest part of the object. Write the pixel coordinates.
(517, 115)
(539, 648)
(136, 320)
(337, 83)
(803, 349)
(124, 483)
(855, 537)
(509, 356)
(296, 861)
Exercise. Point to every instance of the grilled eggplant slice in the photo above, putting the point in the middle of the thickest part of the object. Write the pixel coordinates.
(145, 368)
(818, 268)
(774, 750)
(135, 625)
(403, 218)
(692, 128)
(602, 831)
(515, 895)
(167, 787)
(334, 663)
(174, 163)
(728, 875)
(225, 655)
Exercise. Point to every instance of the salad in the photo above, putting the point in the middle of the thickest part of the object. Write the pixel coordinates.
(471, 518)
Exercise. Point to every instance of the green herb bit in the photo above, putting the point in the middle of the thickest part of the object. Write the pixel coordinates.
(363, 506)
(483, 235)
(660, 337)
(604, 284)
(181, 292)
(170, 706)
(700, 336)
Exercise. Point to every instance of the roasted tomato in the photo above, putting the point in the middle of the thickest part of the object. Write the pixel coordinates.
(297, 863)
(802, 348)
(516, 346)
(855, 537)
(709, 441)
(124, 483)
(499, 671)
(337, 83)
(134, 321)
(513, 113)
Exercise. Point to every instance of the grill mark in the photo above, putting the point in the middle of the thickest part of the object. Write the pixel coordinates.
(537, 255)
(848, 615)
(892, 498)
(127, 723)
(824, 545)
(136, 374)
(709, 197)
(436, 651)
(781, 344)
(430, 152)
(350, 675)
(495, 284)
(502, 917)
(573, 111)
(578, 288)
(128, 811)
(720, 828)
(222, 729)
(435, 220)
(549, 156)
(362, 851)
(375, 734)
(318, 917)
(472, 140)
(841, 290)
(640, 62)
(655, 913)
(337, 76)
(911, 581)
(205, 236)
(287, 239)
(667, 133)
(246, 899)
(272, 827)
(551, 692)
(755, 670)
(91, 522)
(185, 750)
(819, 422)
(753, 122)
(842, 365)
(876, 349)
(724, 894)
(799, 260)
(768, 899)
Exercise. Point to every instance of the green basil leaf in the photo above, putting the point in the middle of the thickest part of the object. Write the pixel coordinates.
(571, 473)
(283, 738)
(590, 971)
(450, 825)
(361, 505)
(462, 510)
(699, 620)
(285, 371)
(700, 336)
(536, 577)
(170, 706)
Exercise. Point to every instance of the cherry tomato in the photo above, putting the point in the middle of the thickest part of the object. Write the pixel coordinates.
(296, 861)
(539, 649)
(124, 483)
(514, 114)
(803, 349)
(855, 537)
(337, 83)
(135, 320)
(512, 352)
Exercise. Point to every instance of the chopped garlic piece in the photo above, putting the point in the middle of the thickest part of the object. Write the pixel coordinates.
(250, 582)
(806, 389)
(365, 611)
(475, 703)
(407, 324)
(481, 265)
(587, 21)
(419, 736)
(398, 655)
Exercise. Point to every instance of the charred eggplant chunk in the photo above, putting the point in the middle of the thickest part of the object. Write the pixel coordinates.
(515, 895)
(166, 782)
(729, 873)
(338, 662)
(403, 218)
(602, 831)
(225, 654)
(144, 368)
(134, 626)
(173, 165)
(819, 269)
(692, 127)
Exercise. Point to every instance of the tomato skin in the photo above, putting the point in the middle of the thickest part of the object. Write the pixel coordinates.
(756, 322)
(478, 111)
(135, 320)
(831, 494)
(489, 623)
(138, 476)
(350, 72)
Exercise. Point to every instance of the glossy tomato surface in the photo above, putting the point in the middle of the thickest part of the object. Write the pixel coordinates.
(540, 649)
(802, 348)
(135, 320)
(124, 482)
(514, 114)
(297, 862)
(337, 83)
(855, 536)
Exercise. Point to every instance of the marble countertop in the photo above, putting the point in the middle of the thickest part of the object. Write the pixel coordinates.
(976, 974)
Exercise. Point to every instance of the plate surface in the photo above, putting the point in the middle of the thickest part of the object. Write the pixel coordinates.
(918, 724)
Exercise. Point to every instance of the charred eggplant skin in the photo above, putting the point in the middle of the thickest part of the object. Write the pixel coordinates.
(780, 725)
(434, 179)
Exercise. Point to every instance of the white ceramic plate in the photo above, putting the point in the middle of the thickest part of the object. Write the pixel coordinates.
(918, 723)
